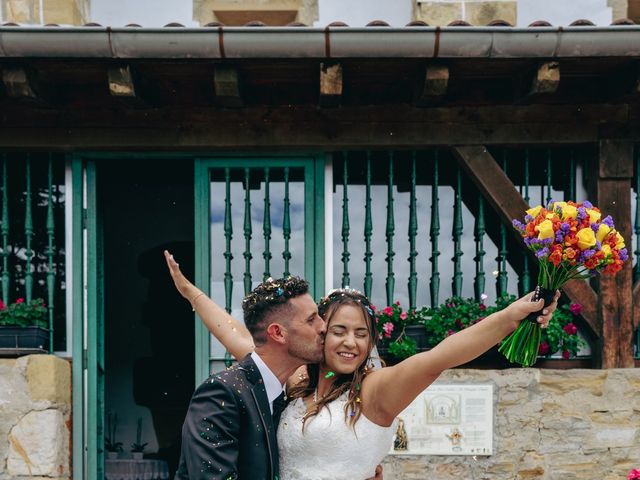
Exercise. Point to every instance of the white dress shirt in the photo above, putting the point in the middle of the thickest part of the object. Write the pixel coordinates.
(271, 383)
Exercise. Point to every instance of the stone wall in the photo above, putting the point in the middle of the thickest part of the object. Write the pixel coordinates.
(549, 425)
(476, 12)
(62, 12)
(35, 418)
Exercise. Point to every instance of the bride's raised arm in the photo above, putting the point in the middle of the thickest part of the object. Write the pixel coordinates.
(231, 333)
(390, 390)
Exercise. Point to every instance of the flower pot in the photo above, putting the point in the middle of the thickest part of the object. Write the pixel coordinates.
(18, 340)
(112, 455)
(137, 455)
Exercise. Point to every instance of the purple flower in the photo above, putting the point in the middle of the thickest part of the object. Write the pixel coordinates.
(546, 241)
(608, 221)
(528, 218)
(594, 227)
(565, 227)
(598, 245)
(587, 204)
(559, 237)
(582, 213)
(544, 252)
(518, 225)
(586, 254)
(624, 255)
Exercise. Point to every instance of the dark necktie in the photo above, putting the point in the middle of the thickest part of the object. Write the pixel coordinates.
(278, 405)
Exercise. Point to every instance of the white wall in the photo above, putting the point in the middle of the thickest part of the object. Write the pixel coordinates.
(563, 12)
(148, 13)
(357, 13)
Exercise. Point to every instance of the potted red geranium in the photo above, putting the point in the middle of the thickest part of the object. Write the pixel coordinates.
(24, 326)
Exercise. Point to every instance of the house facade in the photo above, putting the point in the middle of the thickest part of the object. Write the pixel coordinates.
(390, 159)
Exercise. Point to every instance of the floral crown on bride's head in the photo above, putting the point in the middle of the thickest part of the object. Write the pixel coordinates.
(337, 294)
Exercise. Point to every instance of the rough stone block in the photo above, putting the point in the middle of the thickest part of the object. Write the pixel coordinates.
(619, 8)
(65, 12)
(439, 14)
(38, 445)
(481, 13)
(49, 379)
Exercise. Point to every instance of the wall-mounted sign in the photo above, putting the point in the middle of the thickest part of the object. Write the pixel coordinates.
(447, 419)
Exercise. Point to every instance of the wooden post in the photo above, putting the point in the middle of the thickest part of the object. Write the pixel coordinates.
(615, 300)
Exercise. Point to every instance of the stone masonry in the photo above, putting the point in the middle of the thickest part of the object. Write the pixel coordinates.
(61, 12)
(548, 425)
(35, 418)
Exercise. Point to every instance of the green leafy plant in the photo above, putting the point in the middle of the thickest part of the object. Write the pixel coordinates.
(562, 333)
(110, 443)
(392, 322)
(138, 446)
(24, 314)
(455, 314)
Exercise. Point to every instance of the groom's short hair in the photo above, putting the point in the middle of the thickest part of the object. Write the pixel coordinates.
(269, 299)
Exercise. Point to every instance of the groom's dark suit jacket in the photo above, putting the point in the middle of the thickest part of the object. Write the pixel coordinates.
(229, 432)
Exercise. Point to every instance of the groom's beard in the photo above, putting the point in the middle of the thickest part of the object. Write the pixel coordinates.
(305, 351)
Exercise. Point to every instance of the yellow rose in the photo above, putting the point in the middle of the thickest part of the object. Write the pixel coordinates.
(545, 230)
(606, 249)
(569, 211)
(534, 211)
(603, 231)
(593, 215)
(559, 205)
(619, 241)
(586, 238)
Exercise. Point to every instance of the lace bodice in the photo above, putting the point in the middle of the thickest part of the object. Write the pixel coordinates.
(329, 449)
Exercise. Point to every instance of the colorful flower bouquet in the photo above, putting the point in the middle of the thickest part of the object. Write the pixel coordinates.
(571, 241)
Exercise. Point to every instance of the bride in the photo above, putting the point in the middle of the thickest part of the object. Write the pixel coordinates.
(340, 421)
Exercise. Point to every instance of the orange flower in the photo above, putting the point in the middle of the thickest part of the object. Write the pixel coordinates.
(556, 257)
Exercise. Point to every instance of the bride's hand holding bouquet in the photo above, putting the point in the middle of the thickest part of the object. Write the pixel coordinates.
(571, 241)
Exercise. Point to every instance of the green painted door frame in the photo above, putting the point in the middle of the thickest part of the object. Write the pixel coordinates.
(87, 282)
(313, 166)
(88, 324)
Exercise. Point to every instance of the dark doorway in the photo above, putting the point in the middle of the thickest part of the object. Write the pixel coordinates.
(149, 330)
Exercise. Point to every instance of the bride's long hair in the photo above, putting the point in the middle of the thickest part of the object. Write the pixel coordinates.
(351, 382)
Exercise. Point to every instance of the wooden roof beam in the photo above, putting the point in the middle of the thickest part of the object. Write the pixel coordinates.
(330, 84)
(226, 86)
(18, 82)
(436, 82)
(121, 81)
(546, 79)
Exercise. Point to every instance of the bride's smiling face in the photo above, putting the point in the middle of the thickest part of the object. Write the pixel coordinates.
(347, 340)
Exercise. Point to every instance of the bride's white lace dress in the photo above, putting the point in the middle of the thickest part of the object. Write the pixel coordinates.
(329, 449)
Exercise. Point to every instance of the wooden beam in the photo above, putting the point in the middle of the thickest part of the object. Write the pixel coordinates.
(330, 84)
(18, 83)
(227, 86)
(121, 81)
(303, 127)
(436, 82)
(636, 305)
(546, 79)
(505, 199)
(616, 292)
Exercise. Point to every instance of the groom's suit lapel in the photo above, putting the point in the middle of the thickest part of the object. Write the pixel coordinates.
(262, 404)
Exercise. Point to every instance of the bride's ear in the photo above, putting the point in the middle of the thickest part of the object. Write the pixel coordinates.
(277, 332)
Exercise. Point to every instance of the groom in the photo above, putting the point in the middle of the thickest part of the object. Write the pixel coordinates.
(231, 424)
